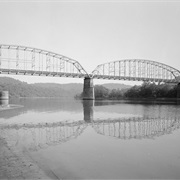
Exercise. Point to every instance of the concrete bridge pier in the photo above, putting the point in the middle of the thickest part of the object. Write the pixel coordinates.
(178, 90)
(88, 90)
(4, 98)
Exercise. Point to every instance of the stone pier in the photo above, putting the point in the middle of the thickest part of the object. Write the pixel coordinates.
(4, 98)
(88, 90)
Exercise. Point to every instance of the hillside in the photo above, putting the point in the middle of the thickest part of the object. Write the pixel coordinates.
(72, 89)
(17, 88)
(112, 86)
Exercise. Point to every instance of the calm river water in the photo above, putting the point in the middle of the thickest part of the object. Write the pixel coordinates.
(97, 140)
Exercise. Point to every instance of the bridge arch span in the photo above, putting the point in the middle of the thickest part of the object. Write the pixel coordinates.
(16, 59)
(137, 70)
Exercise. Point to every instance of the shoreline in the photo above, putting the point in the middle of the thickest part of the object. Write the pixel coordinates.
(18, 164)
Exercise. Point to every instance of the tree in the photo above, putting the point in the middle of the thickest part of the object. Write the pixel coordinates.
(101, 92)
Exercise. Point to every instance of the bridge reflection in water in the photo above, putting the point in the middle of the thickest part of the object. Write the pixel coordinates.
(42, 135)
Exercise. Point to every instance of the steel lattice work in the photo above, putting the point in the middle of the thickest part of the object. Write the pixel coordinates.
(31, 61)
(137, 70)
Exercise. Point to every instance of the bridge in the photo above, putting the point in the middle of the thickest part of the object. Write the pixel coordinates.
(22, 60)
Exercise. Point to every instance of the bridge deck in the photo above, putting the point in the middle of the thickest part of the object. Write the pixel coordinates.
(41, 73)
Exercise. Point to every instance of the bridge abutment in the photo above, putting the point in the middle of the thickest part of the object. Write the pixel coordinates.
(88, 90)
(178, 90)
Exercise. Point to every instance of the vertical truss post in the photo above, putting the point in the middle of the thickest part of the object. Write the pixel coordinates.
(166, 74)
(33, 60)
(62, 65)
(17, 58)
(154, 74)
(53, 63)
(145, 70)
(138, 69)
(39, 61)
(124, 68)
(47, 62)
(149, 70)
(134, 68)
(24, 59)
(163, 72)
(103, 70)
(56, 62)
(9, 57)
(66, 64)
(152, 71)
(158, 72)
(73, 68)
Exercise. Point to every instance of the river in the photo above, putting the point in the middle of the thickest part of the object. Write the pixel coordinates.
(77, 139)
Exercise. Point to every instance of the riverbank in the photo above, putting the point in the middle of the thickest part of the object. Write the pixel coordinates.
(15, 164)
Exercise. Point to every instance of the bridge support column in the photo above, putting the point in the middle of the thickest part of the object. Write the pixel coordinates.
(4, 98)
(88, 90)
(178, 90)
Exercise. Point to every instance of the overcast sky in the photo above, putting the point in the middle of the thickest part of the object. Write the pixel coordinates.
(94, 32)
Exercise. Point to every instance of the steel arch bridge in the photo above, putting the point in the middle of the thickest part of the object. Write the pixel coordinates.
(32, 61)
(137, 70)
(24, 60)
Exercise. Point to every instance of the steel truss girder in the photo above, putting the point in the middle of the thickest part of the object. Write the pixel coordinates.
(38, 60)
(137, 70)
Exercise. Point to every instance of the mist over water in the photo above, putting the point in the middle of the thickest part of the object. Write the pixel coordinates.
(97, 139)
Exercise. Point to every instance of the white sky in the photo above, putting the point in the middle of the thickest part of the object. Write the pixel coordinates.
(94, 32)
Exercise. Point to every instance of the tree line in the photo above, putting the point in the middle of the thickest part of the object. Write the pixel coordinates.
(146, 90)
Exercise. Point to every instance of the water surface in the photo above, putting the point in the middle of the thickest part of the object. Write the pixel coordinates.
(97, 140)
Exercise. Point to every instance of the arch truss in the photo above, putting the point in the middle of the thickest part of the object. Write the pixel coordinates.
(137, 70)
(31, 61)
